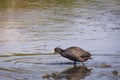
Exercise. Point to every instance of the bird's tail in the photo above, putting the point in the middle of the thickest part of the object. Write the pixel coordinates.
(88, 58)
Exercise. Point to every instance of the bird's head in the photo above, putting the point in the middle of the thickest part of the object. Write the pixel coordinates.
(57, 50)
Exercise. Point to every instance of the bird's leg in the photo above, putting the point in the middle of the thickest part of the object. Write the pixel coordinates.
(74, 63)
(83, 63)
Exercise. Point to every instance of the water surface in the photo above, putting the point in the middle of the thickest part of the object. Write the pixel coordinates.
(31, 29)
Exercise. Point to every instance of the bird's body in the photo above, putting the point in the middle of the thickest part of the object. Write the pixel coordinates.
(74, 53)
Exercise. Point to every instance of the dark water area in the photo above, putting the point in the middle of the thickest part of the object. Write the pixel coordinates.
(31, 29)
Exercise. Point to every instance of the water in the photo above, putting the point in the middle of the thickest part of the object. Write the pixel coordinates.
(30, 30)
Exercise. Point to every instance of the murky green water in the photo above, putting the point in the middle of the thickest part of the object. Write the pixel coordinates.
(31, 29)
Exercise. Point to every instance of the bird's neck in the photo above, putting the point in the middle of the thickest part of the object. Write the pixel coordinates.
(62, 53)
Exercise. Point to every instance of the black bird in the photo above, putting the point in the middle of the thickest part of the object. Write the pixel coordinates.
(74, 54)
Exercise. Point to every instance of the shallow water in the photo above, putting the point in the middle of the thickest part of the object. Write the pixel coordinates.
(46, 67)
(30, 30)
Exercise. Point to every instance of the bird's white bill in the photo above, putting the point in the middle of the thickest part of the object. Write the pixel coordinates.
(53, 52)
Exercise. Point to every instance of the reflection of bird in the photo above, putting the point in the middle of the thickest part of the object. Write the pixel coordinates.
(74, 73)
(74, 54)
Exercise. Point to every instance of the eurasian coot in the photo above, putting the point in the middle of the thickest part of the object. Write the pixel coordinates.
(74, 54)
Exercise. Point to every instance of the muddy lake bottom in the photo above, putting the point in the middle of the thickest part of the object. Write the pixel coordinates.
(55, 67)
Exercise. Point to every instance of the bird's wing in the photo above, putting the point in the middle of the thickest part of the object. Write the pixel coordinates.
(73, 54)
(77, 52)
(81, 52)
